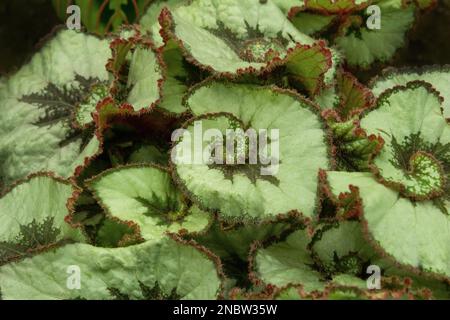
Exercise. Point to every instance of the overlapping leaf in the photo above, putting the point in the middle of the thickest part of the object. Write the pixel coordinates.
(284, 180)
(438, 77)
(147, 196)
(32, 216)
(238, 37)
(137, 71)
(38, 104)
(172, 267)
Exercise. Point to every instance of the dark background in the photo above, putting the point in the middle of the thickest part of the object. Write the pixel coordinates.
(24, 22)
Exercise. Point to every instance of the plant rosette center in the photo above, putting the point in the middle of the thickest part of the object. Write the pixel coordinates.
(427, 176)
(220, 141)
(261, 49)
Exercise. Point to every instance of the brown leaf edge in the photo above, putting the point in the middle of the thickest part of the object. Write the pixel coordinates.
(381, 99)
(340, 11)
(257, 245)
(276, 90)
(391, 72)
(209, 254)
(41, 249)
(381, 252)
(115, 67)
(168, 33)
(105, 208)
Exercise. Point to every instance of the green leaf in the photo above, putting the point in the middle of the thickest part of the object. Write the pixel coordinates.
(177, 78)
(148, 153)
(233, 243)
(37, 105)
(137, 71)
(342, 249)
(338, 244)
(175, 266)
(438, 77)
(414, 234)
(146, 195)
(307, 65)
(236, 242)
(354, 97)
(354, 150)
(149, 21)
(84, 110)
(415, 157)
(32, 215)
(335, 6)
(285, 182)
(310, 23)
(287, 5)
(113, 233)
(288, 263)
(235, 41)
(362, 46)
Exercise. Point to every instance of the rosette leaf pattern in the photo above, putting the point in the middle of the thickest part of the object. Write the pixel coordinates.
(285, 178)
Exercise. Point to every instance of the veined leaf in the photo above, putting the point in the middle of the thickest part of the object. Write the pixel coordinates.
(137, 71)
(345, 251)
(288, 262)
(414, 234)
(354, 97)
(83, 112)
(311, 23)
(173, 266)
(178, 78)
(415, 157)
(149, 21)
(233, 243)
(245, 37)
(283, 180)
(438, 77)
(342, 249)
(32, 215)
(146, 195)
(38, 102)
(362, 46)
(353, 148)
